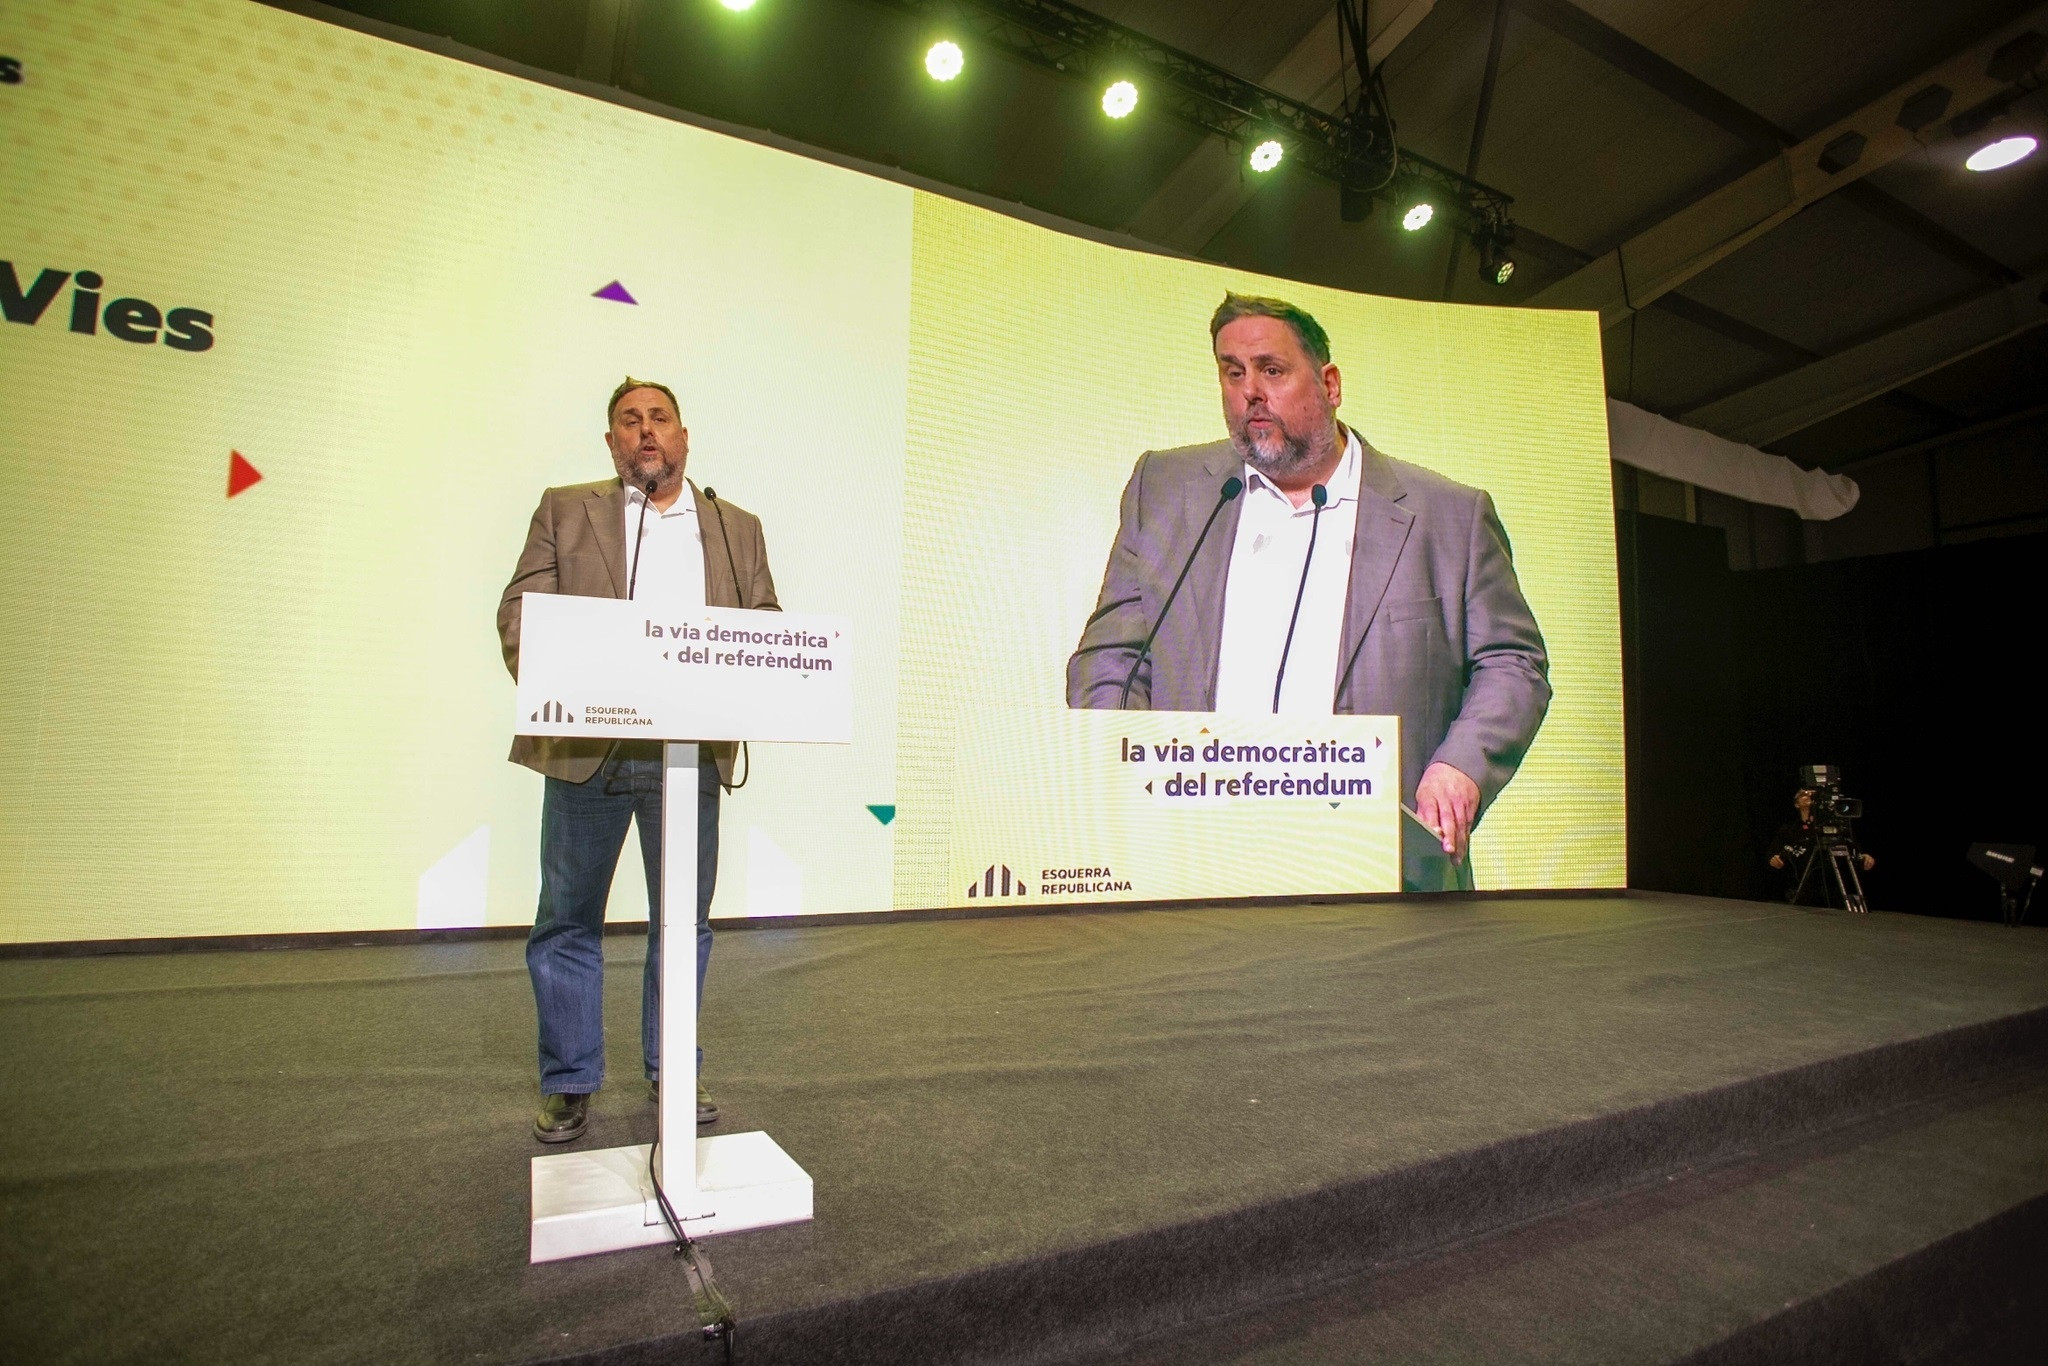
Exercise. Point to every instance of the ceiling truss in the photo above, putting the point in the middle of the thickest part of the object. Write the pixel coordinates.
(1354, 148)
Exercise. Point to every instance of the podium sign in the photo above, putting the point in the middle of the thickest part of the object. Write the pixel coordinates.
(607, 669)
(632, 671)
(1105, 806)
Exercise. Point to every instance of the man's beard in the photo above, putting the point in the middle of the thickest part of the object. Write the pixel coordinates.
(1279, 454)
(636, 468)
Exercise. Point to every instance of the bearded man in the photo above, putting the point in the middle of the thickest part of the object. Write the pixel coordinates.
(636, 536)
(1340, 582)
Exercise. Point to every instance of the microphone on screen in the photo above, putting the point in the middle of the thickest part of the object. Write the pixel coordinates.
(639, 535)
(1231, 488)
(1319, 496)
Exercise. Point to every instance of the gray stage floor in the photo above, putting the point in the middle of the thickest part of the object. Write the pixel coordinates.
(321, 1155)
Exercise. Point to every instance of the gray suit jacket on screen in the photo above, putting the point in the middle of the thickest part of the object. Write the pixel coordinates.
(577, 545)
(1436, 630)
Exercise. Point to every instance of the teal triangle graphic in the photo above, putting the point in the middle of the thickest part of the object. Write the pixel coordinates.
(884, 814)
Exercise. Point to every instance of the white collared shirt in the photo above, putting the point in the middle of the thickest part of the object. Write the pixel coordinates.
(1258, 597)
(672, 555)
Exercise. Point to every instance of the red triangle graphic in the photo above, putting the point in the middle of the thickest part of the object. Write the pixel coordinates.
(241, 474)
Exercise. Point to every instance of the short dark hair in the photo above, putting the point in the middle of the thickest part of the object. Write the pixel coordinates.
(1314, 340)
(628, 385)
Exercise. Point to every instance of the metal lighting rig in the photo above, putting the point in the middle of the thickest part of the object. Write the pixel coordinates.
(1354, 148)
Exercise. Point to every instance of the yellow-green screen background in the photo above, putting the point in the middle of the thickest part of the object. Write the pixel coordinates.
(285, 711)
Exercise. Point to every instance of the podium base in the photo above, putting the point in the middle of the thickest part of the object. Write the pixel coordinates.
(602, 1201)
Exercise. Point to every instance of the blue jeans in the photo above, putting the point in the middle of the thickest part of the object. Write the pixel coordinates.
(582, 830)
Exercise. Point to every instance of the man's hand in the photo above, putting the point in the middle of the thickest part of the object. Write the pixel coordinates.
(1868, 863)
(1777, 860)
(1448, 803)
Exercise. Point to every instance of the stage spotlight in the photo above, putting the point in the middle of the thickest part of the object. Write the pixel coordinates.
(737, 4)
(1493, 241)
(1267, 155)
(1120, 99)
(2004, 152)
(1496, 267)
(1418, 216)
(945, 60)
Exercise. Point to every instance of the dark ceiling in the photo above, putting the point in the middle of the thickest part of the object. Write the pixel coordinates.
(1607, 117)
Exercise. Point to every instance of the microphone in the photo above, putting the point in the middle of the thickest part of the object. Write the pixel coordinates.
(1231, 488)
(711, 497)
(640, 535)
(1319, 496)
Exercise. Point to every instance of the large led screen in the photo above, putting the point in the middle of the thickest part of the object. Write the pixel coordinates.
(300, 323)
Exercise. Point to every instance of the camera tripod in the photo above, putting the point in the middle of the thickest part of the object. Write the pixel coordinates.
(1836, 844)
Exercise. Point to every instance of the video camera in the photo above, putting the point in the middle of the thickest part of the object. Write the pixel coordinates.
(1832, 815)
(1825, 782)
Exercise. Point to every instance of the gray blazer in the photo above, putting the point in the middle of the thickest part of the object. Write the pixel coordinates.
(1436, 630)
(577, 545)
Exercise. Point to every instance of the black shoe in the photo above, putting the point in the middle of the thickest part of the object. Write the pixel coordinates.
(561, 1118)
(707, 1111)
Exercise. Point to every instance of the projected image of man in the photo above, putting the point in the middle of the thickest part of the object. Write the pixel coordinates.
(648, 534)
(1331, 579)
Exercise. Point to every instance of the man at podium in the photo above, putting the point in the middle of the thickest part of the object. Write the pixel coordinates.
(1294, 570)
(648, 534)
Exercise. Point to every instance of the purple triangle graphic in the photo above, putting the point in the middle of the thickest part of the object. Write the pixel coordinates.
(616, 292)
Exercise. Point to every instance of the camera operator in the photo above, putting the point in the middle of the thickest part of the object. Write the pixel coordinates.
(1794, 844)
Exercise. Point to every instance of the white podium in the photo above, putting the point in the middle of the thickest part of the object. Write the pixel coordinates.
(607, 668)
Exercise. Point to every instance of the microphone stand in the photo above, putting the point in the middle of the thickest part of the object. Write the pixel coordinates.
(1231, 488)
(639, 536)
(633, 581)
(711, 497)
(1319, 495)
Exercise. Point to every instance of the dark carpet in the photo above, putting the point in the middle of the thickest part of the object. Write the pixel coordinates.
(1034, 1138)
